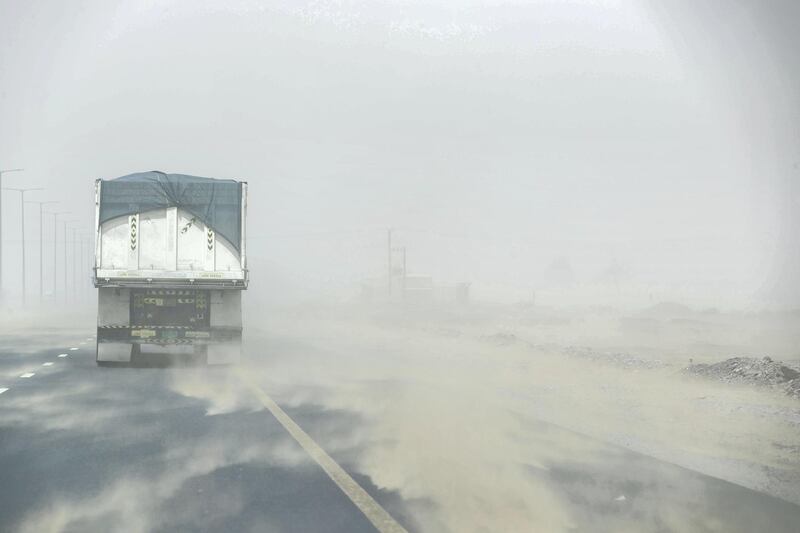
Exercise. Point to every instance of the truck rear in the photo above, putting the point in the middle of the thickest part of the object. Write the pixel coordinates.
(170, 267)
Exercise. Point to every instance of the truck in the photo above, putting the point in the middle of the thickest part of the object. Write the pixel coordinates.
(170, 267)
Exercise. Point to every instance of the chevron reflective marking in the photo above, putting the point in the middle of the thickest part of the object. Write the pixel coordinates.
(168, 341)
(188, 225)
(133, 224)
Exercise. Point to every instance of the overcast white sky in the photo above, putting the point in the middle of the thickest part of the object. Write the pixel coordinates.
(496, 136)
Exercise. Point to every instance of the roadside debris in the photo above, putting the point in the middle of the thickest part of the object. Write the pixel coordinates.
(762, 372)
(500, 339)
(622, 359)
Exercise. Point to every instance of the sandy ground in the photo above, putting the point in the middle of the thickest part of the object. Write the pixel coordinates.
(615, 378)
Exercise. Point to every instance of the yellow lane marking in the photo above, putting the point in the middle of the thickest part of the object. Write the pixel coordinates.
(376, 514)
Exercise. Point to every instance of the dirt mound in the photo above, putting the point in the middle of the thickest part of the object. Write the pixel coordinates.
(749, 370)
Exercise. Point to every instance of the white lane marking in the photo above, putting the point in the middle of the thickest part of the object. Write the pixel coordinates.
(27, 375)
(89, 338)
(49, 363)
(3, 389)
(63, 354)
(376, 514)
(73, 349)
(82, 343)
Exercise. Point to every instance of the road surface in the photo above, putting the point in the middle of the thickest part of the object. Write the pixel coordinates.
(293, 439)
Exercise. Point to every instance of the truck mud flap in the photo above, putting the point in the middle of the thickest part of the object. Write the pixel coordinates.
(113, 352)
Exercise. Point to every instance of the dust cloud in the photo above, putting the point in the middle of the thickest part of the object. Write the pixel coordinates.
(487, 243)
(630, 150)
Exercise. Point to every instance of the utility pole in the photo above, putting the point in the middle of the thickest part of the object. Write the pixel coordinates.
(41, 245)
(55, 249)
(402, 250)
(83, 271)
(22, 227)
(66, 291)
(389, 262)
(74, 265)
(404, 271)
(86, 240)
(88, 256)
(77, 261)
(77, 264)
(4, 171)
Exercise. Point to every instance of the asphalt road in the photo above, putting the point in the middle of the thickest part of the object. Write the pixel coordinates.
(84, 448)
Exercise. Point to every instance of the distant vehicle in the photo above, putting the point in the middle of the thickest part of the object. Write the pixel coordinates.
(170, 266)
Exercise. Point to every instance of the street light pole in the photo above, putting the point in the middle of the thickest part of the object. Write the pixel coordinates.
(85, 262)
(74, 265)
(83, 272)
(66, 291)
(55, 249)
(41, 246)
(389, 262)
(22, 226)
(4, 171)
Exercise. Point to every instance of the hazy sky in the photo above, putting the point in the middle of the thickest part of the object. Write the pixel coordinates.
(496, 136)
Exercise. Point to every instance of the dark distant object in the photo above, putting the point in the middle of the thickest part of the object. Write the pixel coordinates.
(419, 283)
(559, 274)
(613, 274)
(452, 293)
(501, 339)
(418, 289)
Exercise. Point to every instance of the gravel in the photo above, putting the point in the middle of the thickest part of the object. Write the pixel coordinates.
(623, 359)
(762, 372)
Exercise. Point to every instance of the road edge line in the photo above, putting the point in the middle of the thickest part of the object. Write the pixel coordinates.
(376, 514)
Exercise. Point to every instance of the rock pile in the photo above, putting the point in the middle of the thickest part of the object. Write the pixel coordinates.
(750, 370)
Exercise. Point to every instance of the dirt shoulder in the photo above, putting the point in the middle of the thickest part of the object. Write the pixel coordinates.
(638, 397)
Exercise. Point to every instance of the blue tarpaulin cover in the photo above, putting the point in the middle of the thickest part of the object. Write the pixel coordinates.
(216, 202)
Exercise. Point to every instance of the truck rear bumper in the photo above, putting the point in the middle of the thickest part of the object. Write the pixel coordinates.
(130, 352)
(236, 280)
